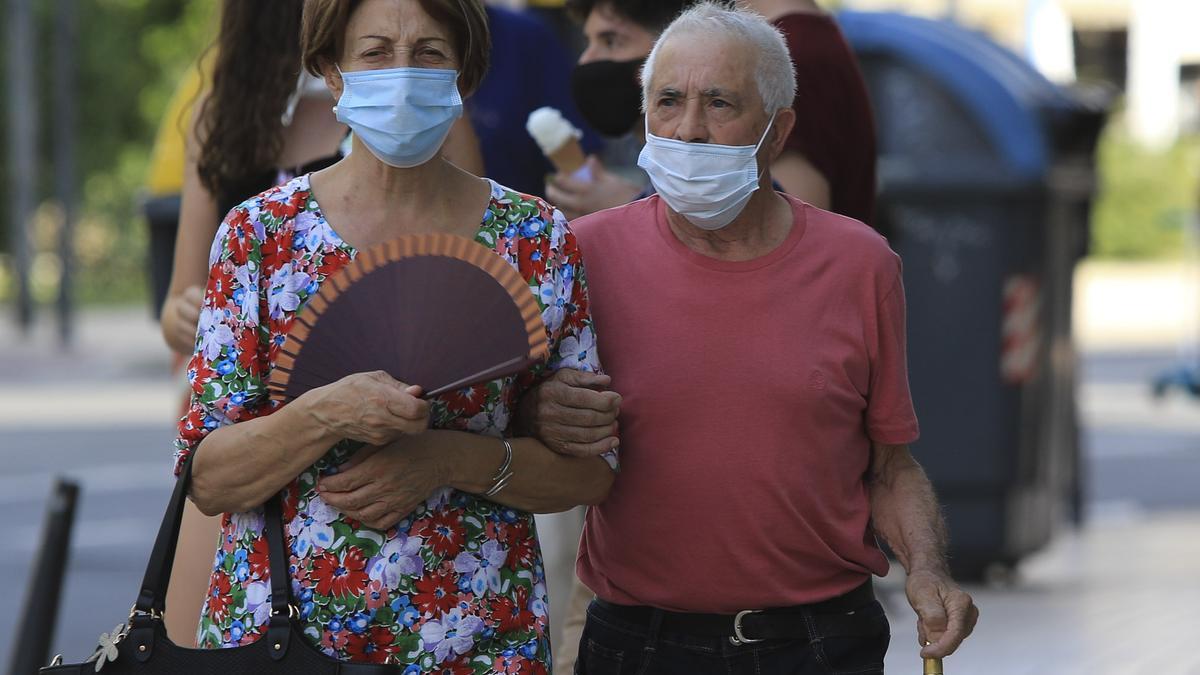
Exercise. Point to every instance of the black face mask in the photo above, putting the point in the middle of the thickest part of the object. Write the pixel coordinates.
(608, 95)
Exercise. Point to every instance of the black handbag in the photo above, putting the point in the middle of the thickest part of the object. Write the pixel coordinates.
(141, 644)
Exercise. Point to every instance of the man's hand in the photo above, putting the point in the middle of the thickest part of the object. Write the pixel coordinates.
(572, 413)
(381, 485)
(577, 197)
(946, 614)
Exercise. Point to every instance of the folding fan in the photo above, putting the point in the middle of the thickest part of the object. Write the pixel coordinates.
(435, 310)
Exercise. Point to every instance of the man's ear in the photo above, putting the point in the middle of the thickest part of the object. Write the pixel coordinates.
(785, 121)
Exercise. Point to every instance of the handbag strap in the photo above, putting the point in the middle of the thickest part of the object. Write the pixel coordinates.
(152, 597)
(281, 587)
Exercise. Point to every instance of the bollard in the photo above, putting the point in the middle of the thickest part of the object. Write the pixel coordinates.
(36, 631)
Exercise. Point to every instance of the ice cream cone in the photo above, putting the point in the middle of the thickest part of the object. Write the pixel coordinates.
(557, 138)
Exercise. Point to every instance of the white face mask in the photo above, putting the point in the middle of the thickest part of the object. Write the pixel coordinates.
(706, 183)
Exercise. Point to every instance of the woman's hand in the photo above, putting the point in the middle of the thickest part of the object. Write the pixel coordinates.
(373, 408)
(180, 315)
(381, 485)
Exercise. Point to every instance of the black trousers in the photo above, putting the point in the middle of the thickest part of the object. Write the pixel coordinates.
(841, 643)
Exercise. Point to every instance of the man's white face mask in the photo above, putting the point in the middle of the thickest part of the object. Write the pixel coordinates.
(706, 183)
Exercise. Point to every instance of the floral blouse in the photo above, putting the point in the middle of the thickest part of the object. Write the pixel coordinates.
(457, 586)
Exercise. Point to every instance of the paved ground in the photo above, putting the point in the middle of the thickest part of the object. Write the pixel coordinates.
(1118, 597)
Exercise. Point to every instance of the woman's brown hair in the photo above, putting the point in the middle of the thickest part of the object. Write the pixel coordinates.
(323, 32)
(240, 123)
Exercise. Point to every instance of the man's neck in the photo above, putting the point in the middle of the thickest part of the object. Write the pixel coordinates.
(760, 228)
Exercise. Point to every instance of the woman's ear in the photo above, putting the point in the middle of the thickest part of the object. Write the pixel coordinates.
(333, 79)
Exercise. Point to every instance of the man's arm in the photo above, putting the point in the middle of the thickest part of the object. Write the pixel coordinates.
(572, 413)
(905, 513)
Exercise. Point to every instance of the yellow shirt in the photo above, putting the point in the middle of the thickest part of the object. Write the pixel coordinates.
(164, 176)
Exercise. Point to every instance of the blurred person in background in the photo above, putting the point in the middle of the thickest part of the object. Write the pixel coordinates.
(607, 91)
(740, 536)
(829, 160)
(255, 121)
(398, 556)
(530, 69)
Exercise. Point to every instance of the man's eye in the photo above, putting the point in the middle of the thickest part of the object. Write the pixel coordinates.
(718, 103)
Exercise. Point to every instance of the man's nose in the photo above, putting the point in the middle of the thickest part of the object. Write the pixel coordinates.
(693, 128)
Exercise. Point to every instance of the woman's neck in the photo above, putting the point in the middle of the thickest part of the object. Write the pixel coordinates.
(367, 201)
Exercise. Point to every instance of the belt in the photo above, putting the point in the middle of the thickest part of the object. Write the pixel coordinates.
(746, 626)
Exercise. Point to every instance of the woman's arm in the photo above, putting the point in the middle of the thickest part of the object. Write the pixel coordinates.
(198, 223)
(381, 486)
(240, 466)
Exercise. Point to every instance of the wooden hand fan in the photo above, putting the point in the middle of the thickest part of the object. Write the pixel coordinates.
(435, 310)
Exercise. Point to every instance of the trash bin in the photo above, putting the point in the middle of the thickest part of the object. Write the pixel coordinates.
(986, 176)
(162, 218)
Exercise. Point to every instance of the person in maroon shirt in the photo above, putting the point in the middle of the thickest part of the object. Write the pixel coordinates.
(829, 160)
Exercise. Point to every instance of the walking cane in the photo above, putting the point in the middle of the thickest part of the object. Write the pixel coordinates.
(932, 666)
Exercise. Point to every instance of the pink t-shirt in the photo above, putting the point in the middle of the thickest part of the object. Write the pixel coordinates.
(752, 391)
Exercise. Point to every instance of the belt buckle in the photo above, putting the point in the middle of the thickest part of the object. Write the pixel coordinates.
(738, 638)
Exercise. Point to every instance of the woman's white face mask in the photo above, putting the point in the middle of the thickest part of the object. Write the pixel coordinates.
(706, 183)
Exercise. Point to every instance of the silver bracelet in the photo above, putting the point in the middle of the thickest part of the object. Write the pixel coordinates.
(503, 475)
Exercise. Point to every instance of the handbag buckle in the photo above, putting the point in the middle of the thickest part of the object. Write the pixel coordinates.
(738, 638)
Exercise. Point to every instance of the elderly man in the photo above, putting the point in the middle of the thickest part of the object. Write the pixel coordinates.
(757, 344)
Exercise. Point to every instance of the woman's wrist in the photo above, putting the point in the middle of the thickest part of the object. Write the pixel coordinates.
(467, 462)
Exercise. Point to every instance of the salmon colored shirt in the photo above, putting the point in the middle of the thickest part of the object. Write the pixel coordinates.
(752, 391)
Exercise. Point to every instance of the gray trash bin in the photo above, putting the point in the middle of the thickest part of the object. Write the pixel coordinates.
(986, 175)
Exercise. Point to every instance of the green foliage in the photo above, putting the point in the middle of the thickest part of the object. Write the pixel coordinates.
(1147, 198)
(129, 57)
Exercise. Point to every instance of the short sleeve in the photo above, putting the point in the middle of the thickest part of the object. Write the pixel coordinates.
(890, 417)
(227, 370)
(564, 297)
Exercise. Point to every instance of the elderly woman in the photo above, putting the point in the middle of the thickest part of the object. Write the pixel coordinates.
(394, 556)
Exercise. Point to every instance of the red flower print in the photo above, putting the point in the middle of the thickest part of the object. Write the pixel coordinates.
(510, 615)
(299, 200)
(219, 597)
(531, 257)
(247, 346)
(331, 263)
(335, 641)
(220, 285)
(468, 401)
(373, 647)
(521, 547)
(569, 250)
(443, 532)
(459, 667)
(436, 594)
(577, 307)
(259, 559)
(281, 209)
(276, 252)
(241, 237)
(339, 576)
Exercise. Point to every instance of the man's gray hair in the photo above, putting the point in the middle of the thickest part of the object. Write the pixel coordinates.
(773, 73)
